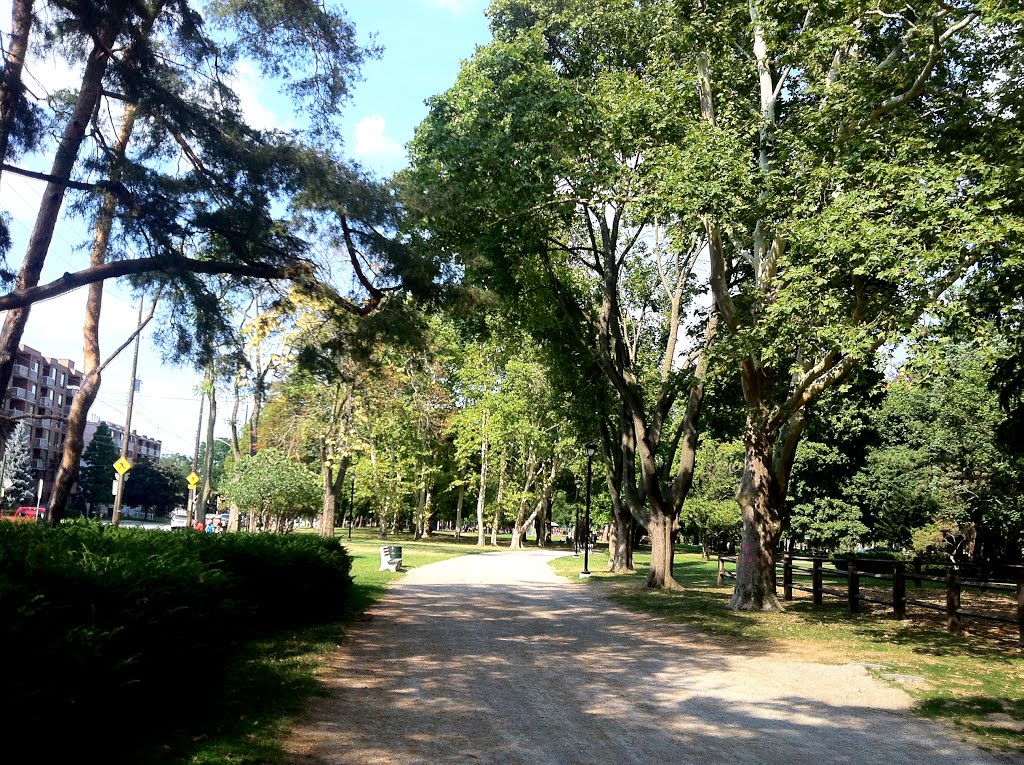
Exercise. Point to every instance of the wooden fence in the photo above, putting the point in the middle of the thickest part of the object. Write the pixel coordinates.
(899, 601)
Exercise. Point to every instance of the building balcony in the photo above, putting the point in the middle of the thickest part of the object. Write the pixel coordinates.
(45, 424)
(47, 402)
(20, 370)
(41, 443)
(38, 464)
(19, 393)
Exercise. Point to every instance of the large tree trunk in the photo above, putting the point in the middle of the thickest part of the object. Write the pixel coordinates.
(662, 528)
(11, 88)
(333, 482)
(620, 542)
(325, 522)
(74, 443)
(64, 162)
(761, 504)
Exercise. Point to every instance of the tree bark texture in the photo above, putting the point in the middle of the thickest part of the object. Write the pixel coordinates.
(761, 505)
(11, 88)
(662, 529)
(620, 541)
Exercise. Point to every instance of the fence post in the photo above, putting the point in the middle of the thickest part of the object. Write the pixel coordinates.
(853, 589)
(721, 572)
(917, 573)
(1020, 611)
(899, 592)
(787, 576)
(953, 622)
(816, 582)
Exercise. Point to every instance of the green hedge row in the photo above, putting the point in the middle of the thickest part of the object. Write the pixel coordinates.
(100, 625)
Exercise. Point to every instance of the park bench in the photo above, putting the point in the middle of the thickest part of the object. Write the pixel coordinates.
(390, 558)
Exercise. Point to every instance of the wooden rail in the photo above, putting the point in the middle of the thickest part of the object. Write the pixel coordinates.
(899, 601)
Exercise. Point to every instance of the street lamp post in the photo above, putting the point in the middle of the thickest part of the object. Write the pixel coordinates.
(591, 448)
(351, 503)
(576, 526)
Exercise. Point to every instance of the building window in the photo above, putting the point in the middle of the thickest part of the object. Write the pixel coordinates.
(63, 379)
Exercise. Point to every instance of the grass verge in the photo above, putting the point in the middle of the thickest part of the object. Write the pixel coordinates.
(973, 683)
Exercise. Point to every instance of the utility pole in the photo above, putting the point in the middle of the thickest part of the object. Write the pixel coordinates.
(195, 464)
(115, 517)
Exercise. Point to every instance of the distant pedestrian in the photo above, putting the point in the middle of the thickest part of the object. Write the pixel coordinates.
(198, 526)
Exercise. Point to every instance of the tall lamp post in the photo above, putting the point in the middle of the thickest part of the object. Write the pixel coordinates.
(576, 525)
(351, 503)
(591, 448)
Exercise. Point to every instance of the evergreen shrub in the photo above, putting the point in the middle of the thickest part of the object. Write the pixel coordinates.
(100, 624)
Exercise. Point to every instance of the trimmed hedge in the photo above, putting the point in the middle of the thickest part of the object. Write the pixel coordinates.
(99, 624)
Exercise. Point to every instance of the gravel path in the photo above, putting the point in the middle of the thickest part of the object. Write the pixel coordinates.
(493, 659)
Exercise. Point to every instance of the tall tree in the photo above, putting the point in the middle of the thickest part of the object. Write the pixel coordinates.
(197, 190)
(97, 471)
(858, 174)
(567, 234)
(18, 479)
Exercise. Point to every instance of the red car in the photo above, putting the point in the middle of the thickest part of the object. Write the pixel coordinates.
(29, 514)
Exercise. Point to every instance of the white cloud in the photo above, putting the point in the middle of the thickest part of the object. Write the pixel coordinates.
(248, 85)
(372, 141)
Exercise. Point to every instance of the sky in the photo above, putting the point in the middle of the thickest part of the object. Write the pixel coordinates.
(424, 42)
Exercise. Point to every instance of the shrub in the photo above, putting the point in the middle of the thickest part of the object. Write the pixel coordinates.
(100, 622)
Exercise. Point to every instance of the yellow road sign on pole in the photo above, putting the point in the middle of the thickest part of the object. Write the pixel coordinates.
(122, 466)
(193, 480)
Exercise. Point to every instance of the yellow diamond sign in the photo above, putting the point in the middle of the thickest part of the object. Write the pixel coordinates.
(122, 466)
(193, 480)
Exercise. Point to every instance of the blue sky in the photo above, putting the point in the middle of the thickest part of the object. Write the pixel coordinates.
(424, 41)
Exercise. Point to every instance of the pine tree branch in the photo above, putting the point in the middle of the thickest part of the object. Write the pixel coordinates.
(299, 271)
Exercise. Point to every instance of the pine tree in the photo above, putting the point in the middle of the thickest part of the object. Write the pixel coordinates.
(97, 471)
(18, 479)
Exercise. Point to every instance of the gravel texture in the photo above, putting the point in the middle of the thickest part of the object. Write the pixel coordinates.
(493, 659)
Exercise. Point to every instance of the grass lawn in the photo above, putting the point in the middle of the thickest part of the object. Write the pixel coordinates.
(268, 682)
(976, 683)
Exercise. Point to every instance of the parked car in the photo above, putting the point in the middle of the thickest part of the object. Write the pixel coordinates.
(179, 519)
(30, 514)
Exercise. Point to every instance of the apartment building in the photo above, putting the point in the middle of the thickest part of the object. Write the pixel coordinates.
(44, 387)
(138, 445)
